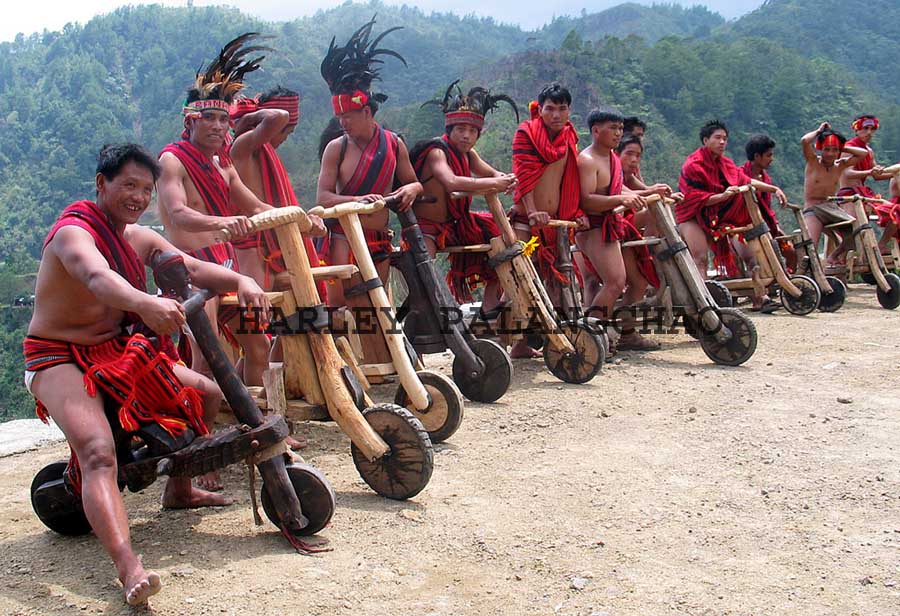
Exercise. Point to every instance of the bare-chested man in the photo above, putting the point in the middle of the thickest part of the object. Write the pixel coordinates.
(366, 161)
(201, 195)
(450, 163)
(709, 181)
(92, 308)
(822, 176)
(545, 154)
(602, 190)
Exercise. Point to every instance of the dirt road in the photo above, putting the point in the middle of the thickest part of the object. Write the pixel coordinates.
(666, 486)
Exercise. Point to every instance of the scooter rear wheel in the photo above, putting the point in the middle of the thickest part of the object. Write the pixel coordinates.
(55, 506)
(492, 383)
(405, 470)
(445, 414)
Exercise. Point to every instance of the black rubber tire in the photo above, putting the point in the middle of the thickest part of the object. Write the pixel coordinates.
(445, 414)
(832, 302)
(808, 300)
(891, 299)
(406, 469)
(317, 501)
(742, 344)
(493, 382)
(56, 507)
(720, 294)
(588, 357)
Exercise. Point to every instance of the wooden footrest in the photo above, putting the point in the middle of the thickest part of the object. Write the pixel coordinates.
(472, 248)
(843, 223)
(324, 272)
(275, 298)
(648, 241)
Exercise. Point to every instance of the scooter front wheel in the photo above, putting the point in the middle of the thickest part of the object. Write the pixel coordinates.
(315, 494)
(406, 469)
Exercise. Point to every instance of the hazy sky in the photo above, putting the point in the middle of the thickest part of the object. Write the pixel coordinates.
(27, 17)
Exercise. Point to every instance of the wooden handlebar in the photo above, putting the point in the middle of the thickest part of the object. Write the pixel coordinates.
(568, 224)
(275, 218)
(351, 207)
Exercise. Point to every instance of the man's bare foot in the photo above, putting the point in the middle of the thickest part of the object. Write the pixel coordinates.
(140, 585)
(210, 481)
(177, 496)
(635, 342)
(296, 444)
(521, 350)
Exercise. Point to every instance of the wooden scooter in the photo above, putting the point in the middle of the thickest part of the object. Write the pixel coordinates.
(726, 335)
(390, 447)
(433, 321)
(867, 260)
(295, 497)
(834, 292)
(574, 348)
(431, 397)
(800, 295)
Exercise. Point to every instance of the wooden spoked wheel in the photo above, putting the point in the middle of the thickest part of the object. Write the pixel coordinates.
(585, 362)
(737, 349)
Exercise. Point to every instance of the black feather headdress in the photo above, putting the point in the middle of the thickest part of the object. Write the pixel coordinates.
(470, 108)
(215, 86)
(350, 70)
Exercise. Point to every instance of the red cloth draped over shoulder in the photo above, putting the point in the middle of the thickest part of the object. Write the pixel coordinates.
(464, 227)
(374, 175)
(702, 176)
(533, 152)
(118, 253)
(868, 161)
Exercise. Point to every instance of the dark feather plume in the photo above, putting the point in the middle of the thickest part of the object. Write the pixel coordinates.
(223, 77)
(478, 99)
(356, 65)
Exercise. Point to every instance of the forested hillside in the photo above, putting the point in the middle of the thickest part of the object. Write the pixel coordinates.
(123, 76)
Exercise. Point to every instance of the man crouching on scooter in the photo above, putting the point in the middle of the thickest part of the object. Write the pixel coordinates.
(89, 335)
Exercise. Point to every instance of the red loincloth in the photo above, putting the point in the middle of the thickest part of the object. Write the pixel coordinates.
(129, 372)
(702, 176)
(463, 227)
(533, 152)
